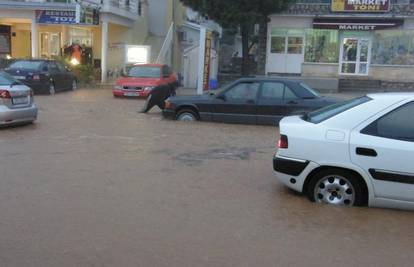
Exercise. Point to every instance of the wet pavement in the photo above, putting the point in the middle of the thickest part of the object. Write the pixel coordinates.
(94, 183)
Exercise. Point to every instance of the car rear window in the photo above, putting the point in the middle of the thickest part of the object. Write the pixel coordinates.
(328, 112)
(144, 72)
(6, 79)
(25, 64)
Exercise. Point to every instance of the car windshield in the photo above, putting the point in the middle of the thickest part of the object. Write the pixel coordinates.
(6, 79)
(26, 64)
(325, 113)
(144, 72)
(310, 92)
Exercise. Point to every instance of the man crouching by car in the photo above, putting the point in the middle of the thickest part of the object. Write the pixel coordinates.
(157, 97)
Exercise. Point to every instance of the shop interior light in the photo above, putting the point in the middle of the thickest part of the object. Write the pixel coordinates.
(74, 62)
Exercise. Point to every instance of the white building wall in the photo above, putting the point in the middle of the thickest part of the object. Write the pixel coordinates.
(157, 15)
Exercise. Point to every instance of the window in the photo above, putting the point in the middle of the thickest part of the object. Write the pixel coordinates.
(328, 112)
(277, 45)
(53, 66)
(6, 79)
(398, 124)
(272, 90)
(144, 72)
(289, 95)
(243, 91)
(322, 46)
(139, 8)
(61, 67)
(295, 45)
(26, 64)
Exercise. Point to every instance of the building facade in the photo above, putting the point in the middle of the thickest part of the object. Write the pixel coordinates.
(371, 39)
(45, 28)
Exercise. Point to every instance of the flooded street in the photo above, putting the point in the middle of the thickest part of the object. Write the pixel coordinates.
(94, 183)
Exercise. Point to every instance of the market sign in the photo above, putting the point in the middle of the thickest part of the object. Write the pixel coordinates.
(366, 6)
(356, 24)
(87, 16)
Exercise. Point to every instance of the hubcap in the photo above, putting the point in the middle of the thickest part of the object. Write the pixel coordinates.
(335, 190)
(186, 117)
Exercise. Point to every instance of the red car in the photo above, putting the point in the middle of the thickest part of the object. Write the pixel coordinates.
(142, 78)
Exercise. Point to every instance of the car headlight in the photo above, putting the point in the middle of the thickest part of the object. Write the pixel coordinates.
(118, 87)
(148, 88)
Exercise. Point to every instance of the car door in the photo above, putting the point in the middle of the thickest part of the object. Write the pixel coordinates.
(56, 76)
(237, 104)
(270, 108)
(385, 150)
(276, 101)
(66, 77)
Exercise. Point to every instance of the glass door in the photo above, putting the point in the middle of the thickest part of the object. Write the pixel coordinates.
(49, 44)
(355, 56)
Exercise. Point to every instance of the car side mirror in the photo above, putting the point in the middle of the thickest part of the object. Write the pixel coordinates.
(222, 97)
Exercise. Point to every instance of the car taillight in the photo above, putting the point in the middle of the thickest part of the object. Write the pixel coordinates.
(283, 141)
(36, 77)
(4, 94)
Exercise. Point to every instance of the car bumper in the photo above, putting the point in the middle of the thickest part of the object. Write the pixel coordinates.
(126, 93)
(40, 87)
(16, 116)
(292, 172)
(169, 114)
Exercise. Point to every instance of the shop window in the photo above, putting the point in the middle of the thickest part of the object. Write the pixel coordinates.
(295, 45)
(139, 8)
(278, 44)
(393, 48)
(322, 46)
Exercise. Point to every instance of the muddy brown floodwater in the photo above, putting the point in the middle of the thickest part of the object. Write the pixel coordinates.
(94, 183)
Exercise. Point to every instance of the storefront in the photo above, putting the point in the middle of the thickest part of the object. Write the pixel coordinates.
(337, 45)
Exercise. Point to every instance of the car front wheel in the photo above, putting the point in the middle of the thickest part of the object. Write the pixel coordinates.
(336, 187)
(187, 115)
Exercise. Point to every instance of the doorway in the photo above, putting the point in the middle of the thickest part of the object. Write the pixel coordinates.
(355, 56)
(50, 44)
(287, 54)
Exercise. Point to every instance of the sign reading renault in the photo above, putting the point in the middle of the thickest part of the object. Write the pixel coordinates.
(360, 6)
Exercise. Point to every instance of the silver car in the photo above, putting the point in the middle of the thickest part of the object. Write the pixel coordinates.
(16, 102)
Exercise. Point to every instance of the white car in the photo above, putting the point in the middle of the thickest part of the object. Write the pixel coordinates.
(16, 102)
(359, 152)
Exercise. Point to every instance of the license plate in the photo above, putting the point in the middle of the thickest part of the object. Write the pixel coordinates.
(20, 100)
(19, 77)
(131, 94)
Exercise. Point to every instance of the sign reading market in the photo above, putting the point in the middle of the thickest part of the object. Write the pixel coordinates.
(360, 5)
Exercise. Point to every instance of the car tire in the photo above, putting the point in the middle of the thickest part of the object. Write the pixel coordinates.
(186, 115)
(52, 89)
(335, 187)
(74, 85)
